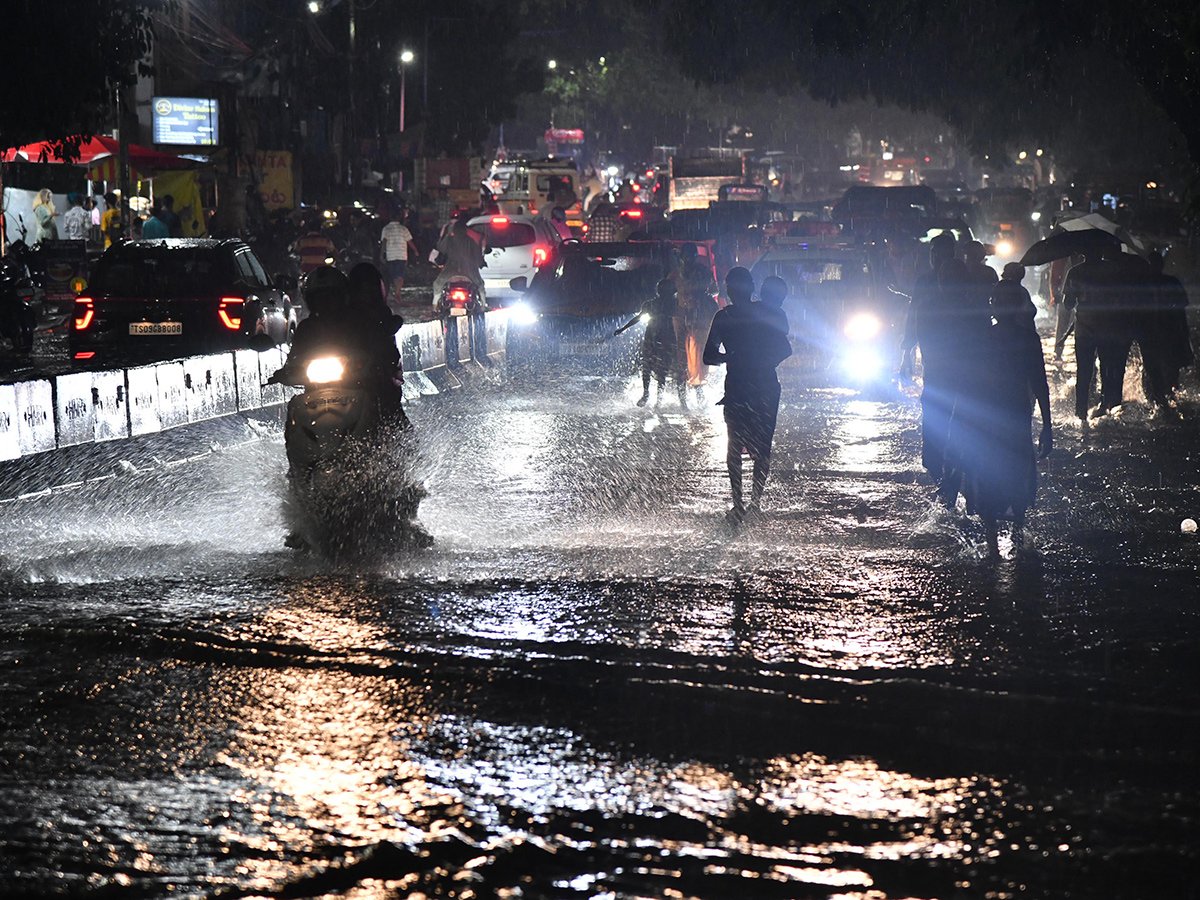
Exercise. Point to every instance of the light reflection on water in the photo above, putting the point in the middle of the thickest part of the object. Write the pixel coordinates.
(359, 712)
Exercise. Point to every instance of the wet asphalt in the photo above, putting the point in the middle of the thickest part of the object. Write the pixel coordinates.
(591, 686)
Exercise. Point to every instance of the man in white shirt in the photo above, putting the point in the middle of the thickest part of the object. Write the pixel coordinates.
(394, 244)
(75, 223)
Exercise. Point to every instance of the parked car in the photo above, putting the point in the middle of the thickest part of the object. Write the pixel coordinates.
(513, 247)
(173, 297)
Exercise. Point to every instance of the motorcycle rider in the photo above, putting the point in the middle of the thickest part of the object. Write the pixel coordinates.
(341, 324)
(461, 258)
(312, 247)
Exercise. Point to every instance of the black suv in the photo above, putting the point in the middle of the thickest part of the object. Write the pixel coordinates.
(173, 297)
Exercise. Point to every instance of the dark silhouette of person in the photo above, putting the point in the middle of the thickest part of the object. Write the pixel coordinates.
(1097, 290)
(990, 434)
(752, 350)
(975, 256)
(660, 347)
(1171, 327)
(925, 288)
(774, 291)
(927, 328)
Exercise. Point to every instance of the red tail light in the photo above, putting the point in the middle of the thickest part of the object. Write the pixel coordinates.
(85, 311)
(636, 187)
(458, 295)
(540, 255)
(230, 312)
(633, 213)
(499, 221)
(585, 228)
(85, 354)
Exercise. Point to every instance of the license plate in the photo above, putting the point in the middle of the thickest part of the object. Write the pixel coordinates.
(156, 328)
(580, 349)
(457, 311)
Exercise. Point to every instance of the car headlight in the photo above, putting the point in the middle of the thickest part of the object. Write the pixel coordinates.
(324, 370)
(862, 327)
(1004, 248)
(862, 363)
(521, 314)
(645, 317)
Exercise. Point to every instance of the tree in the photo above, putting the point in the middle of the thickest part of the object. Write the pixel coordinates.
(81, 55)
(997, 72)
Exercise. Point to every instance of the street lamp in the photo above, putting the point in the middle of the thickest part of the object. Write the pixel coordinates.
(406, 57)
(553, 64)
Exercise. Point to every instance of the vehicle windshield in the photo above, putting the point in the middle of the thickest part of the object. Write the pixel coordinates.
(560, 184)
(503, 236)
(817, 277)
(1008, 206)
(161, 272)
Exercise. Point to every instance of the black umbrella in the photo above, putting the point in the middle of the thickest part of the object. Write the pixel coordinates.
(1062, 244)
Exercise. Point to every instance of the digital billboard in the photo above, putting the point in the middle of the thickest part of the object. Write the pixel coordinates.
(186, 121)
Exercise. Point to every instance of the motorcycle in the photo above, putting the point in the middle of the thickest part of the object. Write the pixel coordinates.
(461, 297)
(21, 304)
(351, 453)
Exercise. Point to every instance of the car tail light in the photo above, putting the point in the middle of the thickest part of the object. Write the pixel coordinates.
(585, 228)
(85, 311)
(636, 187)
(458, 295)
(632, 213)
(230, 312)
(85, 354)
(499, 221)
(540, 255)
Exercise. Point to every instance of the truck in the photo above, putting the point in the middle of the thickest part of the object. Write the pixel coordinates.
(695, 183)
(460, 178)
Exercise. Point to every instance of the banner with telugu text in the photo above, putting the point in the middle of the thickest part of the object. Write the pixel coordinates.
(273, 170)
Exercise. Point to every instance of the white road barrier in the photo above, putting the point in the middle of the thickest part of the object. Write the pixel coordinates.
(88, 407)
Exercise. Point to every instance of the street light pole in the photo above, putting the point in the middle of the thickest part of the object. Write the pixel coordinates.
(405, 58)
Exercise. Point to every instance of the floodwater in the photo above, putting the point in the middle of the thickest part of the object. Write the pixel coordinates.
(591, 688)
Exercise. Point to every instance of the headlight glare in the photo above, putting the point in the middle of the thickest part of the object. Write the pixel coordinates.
(324, 370)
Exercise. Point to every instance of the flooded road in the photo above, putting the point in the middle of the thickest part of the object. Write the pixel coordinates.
(591, 688)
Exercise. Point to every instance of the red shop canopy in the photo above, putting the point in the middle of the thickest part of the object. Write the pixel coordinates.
(95, 149)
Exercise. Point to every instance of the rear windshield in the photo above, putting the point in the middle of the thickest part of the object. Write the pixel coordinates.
(513, 234)
(161, 272)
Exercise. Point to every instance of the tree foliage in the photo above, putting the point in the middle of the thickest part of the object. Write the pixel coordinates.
(76, 57)
(1026, 69)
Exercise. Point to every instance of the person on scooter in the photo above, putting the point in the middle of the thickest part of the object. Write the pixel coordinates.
(461, 258)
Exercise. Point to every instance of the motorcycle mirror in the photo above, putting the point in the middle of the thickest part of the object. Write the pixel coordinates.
(397, 323)
(261, 342)
(520, 285)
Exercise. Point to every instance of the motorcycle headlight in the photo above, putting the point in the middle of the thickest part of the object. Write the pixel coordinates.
(521, 314)
(862, 327)
(324, 370)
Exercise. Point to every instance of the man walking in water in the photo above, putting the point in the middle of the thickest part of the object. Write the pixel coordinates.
(753, 347)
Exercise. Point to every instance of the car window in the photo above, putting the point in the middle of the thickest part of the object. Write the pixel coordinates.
(245, 270)
(500, 237)
(260, 274)
(161, 272)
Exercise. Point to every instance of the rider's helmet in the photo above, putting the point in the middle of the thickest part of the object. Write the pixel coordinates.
(325, 290)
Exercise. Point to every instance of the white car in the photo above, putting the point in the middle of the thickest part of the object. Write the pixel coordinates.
(514, 247)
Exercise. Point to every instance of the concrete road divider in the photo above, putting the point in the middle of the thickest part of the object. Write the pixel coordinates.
(142, 390)
(10, 444)
(86, 407)
(35, 417)
(172, 394)
(249, 381)
(111, 401)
